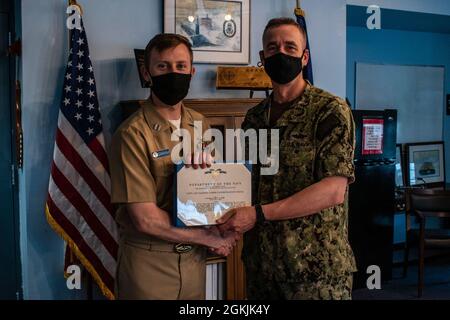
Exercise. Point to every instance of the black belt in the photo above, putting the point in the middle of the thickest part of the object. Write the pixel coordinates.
(158, 246)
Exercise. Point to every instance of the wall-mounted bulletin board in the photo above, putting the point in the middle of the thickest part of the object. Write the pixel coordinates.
(417, 92)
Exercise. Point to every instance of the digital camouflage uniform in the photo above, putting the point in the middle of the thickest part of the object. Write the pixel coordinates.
(308, 257)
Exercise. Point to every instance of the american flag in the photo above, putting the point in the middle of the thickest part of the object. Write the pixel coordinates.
(78, 204)
(300, 15)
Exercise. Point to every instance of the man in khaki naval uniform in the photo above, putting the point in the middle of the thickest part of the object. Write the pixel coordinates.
(157, 260)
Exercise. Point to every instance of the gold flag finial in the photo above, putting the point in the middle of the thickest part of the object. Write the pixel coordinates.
(298, 10)
(75, 3)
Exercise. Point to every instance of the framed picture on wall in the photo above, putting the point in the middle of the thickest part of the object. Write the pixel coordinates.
(425, 163)
(140, 64)
(218, 30)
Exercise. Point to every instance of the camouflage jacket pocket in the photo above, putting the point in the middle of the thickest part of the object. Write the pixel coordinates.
(296, 152)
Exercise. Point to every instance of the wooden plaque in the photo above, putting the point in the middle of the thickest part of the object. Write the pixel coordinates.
(246, 78)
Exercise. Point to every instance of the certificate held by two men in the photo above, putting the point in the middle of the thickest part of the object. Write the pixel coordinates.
(201, 196)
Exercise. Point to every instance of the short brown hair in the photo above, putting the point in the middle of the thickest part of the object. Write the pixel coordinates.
(164, 41)
(283, 21)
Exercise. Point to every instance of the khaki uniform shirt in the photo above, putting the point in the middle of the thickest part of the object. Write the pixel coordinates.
(141, 165)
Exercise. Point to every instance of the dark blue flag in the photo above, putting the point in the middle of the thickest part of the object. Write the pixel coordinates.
(307, 71)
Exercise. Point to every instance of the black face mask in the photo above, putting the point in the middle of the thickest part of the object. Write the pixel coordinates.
(283, 68)
(171, 88)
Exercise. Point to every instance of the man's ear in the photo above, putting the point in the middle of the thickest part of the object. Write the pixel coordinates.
(145, 74)
(193, 70)
(305, 59)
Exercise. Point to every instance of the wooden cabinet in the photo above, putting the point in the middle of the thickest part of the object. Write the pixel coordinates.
(222, 114)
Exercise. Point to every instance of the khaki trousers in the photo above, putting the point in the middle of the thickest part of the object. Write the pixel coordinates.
(154, 271)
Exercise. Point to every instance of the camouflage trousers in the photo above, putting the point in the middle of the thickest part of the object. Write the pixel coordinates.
(335, 288)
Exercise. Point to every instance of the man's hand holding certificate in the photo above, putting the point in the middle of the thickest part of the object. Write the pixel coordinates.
(207, 191)
(204, 196)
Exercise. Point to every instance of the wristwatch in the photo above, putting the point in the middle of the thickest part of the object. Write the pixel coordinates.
(260, 218)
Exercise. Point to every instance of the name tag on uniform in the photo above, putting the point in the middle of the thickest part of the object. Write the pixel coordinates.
(160, 153)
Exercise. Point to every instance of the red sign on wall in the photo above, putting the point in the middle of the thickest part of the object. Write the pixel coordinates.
(372, 138)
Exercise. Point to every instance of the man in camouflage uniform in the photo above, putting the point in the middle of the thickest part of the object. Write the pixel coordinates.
(297, 244)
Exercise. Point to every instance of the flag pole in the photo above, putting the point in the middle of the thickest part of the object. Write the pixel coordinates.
(74, 3)
(89, 280)
(301, 20)
(298, 10)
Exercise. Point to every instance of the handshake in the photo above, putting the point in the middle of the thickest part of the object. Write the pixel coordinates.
(223, 237)
(221, 244)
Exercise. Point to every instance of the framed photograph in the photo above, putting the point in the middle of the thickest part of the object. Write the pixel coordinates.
(425, 163)
(399, 166)
(219, 30)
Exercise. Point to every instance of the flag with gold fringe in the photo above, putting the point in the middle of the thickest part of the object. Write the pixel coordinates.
(78, 203)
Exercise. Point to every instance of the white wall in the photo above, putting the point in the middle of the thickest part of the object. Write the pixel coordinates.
(327, 25)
